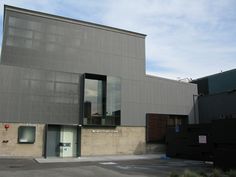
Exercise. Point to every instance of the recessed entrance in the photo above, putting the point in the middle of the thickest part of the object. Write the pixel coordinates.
(61, 141)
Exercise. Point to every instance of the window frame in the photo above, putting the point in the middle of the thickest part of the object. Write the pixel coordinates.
(104, 120)
(21, 130)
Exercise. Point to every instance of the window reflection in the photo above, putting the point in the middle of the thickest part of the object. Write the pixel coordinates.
(93, 101)
(26, 134)
(102, 100)
(113, 105)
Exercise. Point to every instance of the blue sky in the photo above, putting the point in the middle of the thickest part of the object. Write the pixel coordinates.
(185, 38)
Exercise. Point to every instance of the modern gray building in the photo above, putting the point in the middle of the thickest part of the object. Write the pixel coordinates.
(72, 88)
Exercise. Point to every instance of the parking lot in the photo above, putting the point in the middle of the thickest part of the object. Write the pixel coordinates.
(127, 168)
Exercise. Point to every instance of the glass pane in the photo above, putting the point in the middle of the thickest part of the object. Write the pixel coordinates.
(93, 102)
(113, 105)
(26, 134)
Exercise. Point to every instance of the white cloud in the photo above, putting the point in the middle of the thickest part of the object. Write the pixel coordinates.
(188, 38)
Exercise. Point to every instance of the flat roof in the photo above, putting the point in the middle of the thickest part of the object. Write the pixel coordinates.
(71, 20)
(167, 79)
(212, 75)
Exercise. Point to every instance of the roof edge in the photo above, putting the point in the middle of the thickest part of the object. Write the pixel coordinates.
(70, 20)
(168, 79)
(212, 75)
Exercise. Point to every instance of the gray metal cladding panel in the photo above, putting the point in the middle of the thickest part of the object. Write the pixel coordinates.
(218, 106)
(38, 96)
(222, 82)
(39, 42)
(155, 95)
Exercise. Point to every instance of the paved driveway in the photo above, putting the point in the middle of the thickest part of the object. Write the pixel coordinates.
(127, 168)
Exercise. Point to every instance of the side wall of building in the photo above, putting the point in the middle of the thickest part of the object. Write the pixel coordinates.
(156, 95)
(46, 42)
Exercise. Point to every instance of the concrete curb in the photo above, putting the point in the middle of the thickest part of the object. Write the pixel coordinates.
(99, 158)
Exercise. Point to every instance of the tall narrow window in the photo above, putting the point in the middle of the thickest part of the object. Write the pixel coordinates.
(93, 101)
(113, 105)
(101, 100)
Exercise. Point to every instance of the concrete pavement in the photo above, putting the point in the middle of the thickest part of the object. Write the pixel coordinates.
(115, 166)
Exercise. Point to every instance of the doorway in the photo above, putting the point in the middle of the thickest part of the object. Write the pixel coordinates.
(62, 141)
(68, 141)
(53, 140)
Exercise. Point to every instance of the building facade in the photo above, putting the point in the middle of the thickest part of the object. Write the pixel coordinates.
(217, 96)
(72, 88)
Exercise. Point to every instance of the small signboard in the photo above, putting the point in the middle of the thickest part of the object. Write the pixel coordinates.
(202, 139)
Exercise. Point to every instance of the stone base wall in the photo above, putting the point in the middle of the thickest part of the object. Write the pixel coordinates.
(9, 145)
(120, 140)
(94, 141)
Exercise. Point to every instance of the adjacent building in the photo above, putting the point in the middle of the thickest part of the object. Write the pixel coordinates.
(71, 88)
(217, 96)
